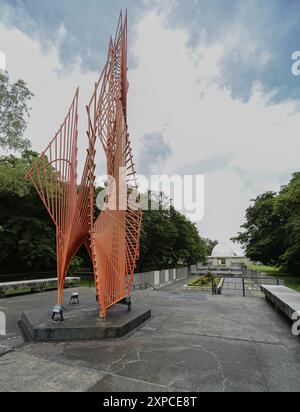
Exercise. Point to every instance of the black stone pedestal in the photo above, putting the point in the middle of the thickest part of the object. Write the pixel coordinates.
(83, 324)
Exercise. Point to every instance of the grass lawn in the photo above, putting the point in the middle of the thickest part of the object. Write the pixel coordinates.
(291, 281)
(269, 270)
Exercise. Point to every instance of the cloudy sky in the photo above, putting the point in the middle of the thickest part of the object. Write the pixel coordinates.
(211, 86)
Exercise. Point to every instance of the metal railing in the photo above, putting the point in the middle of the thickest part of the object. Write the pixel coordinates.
(249, 283)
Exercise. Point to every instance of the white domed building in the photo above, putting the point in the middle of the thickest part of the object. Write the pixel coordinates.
(223, 255)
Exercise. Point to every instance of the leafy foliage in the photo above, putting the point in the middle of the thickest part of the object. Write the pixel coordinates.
(287, 206)
(27, 234)
(27, 237)
(169, 239)
(14, 100)
(210, 245)
(272, 230)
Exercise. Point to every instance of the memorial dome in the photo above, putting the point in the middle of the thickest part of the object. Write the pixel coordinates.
(222, 250)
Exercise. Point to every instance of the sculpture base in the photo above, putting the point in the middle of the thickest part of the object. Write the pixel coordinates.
(83, 324)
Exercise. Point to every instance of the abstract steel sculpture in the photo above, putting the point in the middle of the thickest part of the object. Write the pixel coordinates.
(112, 238)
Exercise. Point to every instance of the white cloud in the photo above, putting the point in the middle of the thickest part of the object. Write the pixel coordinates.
(53, 88)
(173, 91)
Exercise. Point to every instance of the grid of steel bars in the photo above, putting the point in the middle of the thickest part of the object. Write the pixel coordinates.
(112, 239)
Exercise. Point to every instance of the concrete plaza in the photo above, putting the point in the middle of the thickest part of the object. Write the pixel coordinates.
(194, 342)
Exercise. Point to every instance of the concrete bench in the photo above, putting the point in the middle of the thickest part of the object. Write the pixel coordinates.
(284, 299)
(36, 285)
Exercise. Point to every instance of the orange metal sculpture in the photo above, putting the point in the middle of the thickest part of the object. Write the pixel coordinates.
(112, 239)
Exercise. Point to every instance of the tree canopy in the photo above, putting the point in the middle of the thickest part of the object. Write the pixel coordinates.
(27, 234)
(27, 238)
(271, 234)
(169, 239)
(14, 111)
(210, 245)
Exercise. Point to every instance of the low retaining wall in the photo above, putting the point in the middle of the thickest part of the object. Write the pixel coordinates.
(36, 285)
(162, 277)
(284, 299)
(155, 279)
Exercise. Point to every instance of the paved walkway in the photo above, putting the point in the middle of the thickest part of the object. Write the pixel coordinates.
(194, 342)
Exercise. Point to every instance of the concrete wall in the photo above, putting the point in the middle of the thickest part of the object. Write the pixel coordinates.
(162, 277)
(194, 269)
(142, 278)
(182, 273)
(39, 285)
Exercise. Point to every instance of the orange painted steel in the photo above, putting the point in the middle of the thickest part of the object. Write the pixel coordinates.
(112, 238)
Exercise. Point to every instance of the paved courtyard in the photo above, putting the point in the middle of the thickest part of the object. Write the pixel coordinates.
(194, 342)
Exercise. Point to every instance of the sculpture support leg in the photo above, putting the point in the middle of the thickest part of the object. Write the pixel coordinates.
(103, 313)
(60, 295)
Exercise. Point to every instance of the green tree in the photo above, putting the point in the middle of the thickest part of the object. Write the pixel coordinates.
(287, 207)
(14, 111)
(189, 246)
(210, 245)
(157, 245)
(27, 235)
(271, 233)
(168, 238)
(263, 233)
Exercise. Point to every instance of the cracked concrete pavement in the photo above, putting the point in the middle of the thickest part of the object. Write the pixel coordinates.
(194, 342)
